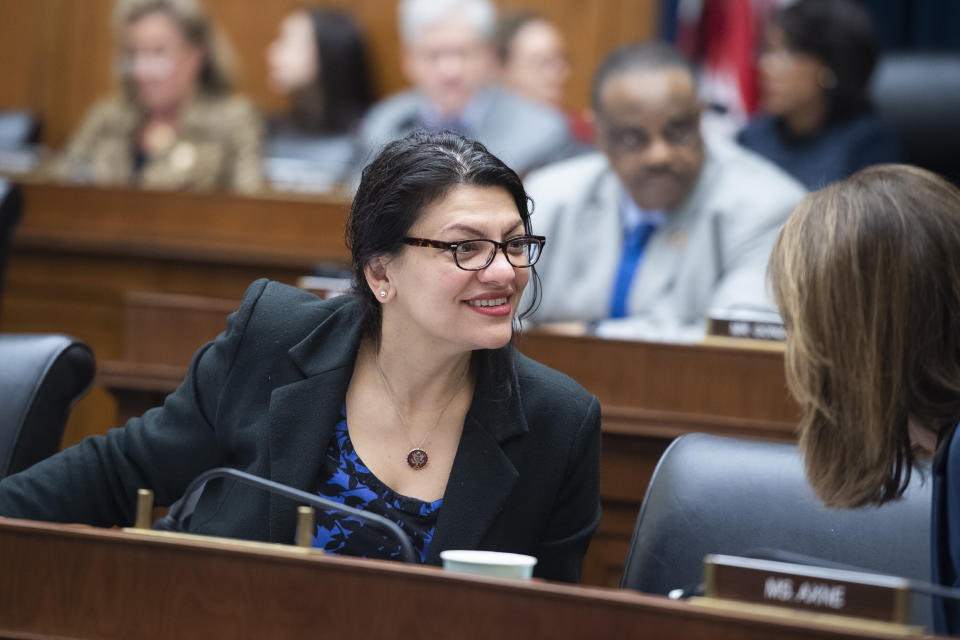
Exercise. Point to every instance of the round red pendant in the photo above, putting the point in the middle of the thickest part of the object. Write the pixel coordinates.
(417, 459)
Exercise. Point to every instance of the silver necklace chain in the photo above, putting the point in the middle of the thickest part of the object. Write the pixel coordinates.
(396, 405)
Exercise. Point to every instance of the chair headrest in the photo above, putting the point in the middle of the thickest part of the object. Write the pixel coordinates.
(41, 375)
(711, 494)
(18, 128)
(918, 94)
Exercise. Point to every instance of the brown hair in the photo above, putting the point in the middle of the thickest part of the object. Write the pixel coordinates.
(507, 28)
(866, 273)
(219, 71)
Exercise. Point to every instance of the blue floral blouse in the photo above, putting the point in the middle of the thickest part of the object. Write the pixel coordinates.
(344, 478)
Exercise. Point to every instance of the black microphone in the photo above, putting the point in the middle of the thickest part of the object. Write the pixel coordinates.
(183, 508)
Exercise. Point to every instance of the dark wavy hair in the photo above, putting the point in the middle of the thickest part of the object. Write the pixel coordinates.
(841, 34)
(408, 175)
(336, 101)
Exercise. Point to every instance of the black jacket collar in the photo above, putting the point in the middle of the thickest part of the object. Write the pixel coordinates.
(304, 412)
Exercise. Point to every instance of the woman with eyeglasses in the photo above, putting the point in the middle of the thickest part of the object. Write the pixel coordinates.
(818, 124)
(175, 124)
(405, 397)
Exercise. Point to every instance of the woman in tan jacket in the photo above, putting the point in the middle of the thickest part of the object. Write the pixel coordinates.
(176, 124)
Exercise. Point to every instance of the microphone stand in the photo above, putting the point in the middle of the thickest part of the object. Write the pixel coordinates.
(173, 521)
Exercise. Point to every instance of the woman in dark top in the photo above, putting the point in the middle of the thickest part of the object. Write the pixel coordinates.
(866, 273)
(405, 397)
(318, 61)
(815, 71)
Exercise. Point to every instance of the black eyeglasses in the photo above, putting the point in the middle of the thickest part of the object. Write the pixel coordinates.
(683, 132)
(477, 254)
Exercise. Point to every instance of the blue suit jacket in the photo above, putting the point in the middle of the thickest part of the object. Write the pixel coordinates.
(830, 154)
(945, 529)
(264, 398)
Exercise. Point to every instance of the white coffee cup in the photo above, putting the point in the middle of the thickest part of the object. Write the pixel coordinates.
(489, 563)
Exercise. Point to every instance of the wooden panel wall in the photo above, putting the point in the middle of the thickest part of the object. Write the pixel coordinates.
(56, 59)
(56, 54)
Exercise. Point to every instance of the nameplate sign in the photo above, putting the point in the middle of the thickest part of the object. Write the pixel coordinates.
(746, 325)
(847, 593)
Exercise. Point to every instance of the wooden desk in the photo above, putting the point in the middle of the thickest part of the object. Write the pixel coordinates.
(79, 250)
(649, 394)
(79, 582)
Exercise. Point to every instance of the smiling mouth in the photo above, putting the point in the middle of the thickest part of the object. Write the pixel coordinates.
(490, 302)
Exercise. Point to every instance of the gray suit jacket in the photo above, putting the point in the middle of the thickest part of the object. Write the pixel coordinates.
(264, 398)
(711, 253)
(522, 133)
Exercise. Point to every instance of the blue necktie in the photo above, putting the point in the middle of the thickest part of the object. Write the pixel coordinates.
(633, 243)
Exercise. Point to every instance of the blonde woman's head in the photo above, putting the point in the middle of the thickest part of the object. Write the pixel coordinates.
(169, 49)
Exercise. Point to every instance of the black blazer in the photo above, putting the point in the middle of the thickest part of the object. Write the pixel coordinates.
(264, 397)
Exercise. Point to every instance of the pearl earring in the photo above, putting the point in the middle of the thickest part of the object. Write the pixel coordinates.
(383, 294)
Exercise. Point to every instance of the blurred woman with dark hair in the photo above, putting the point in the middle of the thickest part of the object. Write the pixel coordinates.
(176, 123)
(319, 62)
(815, 73)
(866, 273)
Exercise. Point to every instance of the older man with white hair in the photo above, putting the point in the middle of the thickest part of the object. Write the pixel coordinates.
(448, 58)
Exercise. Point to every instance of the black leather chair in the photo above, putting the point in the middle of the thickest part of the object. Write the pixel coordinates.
(18, 128)
(41, 376)
(711, 494)
(918, 94)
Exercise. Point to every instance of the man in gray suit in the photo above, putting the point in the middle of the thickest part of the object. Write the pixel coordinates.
(448, 57)
(644, 239)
